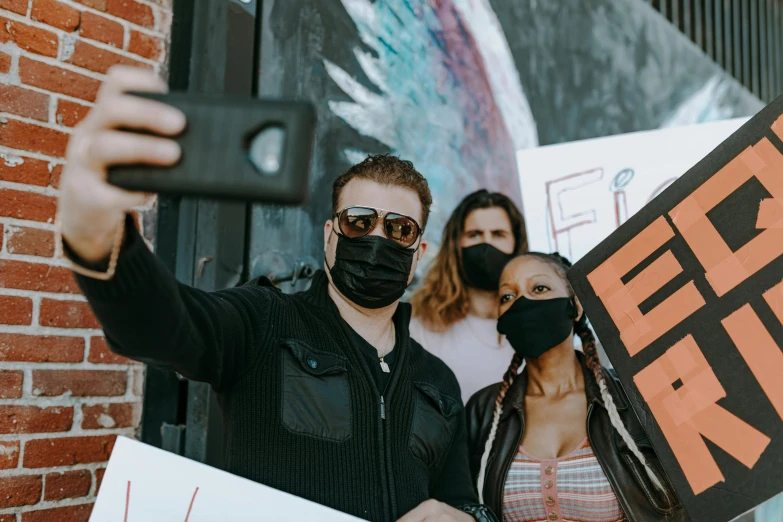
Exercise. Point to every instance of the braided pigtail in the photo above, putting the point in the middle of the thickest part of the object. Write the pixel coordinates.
(508, 380)
(591, 356)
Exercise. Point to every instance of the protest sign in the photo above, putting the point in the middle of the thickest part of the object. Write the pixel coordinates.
(575, 194)
(146, 484)
(687, 300)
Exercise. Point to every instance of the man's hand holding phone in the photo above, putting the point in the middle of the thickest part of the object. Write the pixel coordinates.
(90, 210)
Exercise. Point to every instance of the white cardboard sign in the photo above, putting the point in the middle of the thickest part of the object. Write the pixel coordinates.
(146, 484)
(575, 194)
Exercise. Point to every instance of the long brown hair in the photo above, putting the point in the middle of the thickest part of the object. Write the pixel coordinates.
(581, 328)
(442, 299)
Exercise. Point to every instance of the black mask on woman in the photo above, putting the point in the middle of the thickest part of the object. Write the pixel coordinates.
(483, 265)
(371, 271)
(535, 326)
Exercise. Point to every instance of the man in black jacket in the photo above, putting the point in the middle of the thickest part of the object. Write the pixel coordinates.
(323, 393)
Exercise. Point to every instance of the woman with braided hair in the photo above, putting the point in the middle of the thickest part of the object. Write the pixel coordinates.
(559, 441)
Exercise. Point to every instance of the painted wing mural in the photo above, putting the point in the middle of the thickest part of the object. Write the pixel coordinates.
(445, 94)
(709, 103)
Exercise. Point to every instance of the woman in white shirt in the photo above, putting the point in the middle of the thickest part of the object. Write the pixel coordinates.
(455, 308)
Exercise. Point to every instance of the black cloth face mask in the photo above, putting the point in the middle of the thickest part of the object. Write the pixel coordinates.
(535, 326)
(483, 265)
(371, 271)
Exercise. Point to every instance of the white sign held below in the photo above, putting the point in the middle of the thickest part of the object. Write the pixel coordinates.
(146, 484)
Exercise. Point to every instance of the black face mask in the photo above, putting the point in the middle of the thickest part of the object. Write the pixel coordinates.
(483, 264)
(371, 271)
(534, 326)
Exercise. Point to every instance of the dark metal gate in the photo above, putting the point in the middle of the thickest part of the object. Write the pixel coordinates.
(203, 243)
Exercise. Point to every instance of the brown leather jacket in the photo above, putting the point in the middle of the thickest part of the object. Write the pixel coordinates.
(638, 498)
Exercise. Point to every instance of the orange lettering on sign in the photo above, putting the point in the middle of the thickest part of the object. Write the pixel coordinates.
(726, 269)
(689, 413)
(759, 349)
(622, 301)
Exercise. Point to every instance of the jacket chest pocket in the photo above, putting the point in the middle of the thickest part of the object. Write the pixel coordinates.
(316, 398)
(434, 423)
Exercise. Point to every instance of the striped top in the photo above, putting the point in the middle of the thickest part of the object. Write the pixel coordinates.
(572, 488)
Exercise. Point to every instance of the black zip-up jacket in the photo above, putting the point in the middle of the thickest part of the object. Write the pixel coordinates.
(301, 410)
(639, 499)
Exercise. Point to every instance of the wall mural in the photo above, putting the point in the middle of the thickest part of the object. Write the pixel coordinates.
(444, 93)
(459, 86)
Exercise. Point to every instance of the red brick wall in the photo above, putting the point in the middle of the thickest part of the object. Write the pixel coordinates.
(63, 396)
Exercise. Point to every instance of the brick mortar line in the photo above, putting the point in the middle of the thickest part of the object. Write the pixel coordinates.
(38, 330)
(40, 260)
(69, 400)
(82, 401)
(24, 438)
(90, 466)
(82, 365)
(32, 155)
(35, 189)
(48, 504)
(40, 123)
(16, 472)
(53, 109)
(64, 401)
(36, 315)
(38, 225)
(27, 383)
(103, 432)
(49, 295)
(47, 261)
(51, 261)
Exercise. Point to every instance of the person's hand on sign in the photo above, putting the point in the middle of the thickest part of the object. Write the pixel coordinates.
(434, 511)
(90, 210)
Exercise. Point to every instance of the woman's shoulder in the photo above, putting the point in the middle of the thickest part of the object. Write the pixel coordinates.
(478, 413)
(483, 398)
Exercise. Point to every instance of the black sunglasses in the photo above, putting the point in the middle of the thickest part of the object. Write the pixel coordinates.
(358, 221)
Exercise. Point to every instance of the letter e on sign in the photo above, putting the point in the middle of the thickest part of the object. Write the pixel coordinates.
(622, 301)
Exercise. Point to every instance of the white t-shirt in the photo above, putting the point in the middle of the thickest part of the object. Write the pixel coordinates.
(472, 350)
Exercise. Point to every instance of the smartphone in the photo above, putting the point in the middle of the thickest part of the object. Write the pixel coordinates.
(233, 148)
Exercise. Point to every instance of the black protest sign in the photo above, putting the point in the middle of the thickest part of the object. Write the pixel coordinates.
(687, 300)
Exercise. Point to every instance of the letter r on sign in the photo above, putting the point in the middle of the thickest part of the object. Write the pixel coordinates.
(690, 412)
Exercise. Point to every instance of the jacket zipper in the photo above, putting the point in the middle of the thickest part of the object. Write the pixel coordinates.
(618, 491)
(386, 449)
(382, 454)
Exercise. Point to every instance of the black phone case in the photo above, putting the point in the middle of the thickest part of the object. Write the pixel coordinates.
(215, 161)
